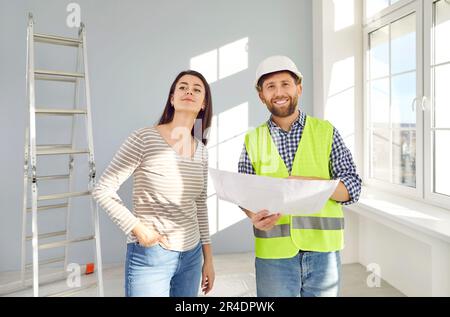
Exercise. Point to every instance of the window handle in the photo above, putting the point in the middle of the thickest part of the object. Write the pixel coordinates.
(423, 104)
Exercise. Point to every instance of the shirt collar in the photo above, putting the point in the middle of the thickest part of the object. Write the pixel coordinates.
(301, 119)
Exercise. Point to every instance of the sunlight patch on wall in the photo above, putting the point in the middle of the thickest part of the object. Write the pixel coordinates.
(340, 103)
(340, 111)
(342, 76)
(344, 14)
(206, 64)
(227, 135)
(223, 62)
(233, 122)
(229, 215)
(233, 58)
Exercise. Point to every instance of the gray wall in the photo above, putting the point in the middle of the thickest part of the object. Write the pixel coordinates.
(135, 50)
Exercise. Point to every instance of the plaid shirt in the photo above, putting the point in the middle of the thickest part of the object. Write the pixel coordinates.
(341, 164)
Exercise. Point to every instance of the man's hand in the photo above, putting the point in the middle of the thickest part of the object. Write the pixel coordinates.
(147, 237)
(262, 220)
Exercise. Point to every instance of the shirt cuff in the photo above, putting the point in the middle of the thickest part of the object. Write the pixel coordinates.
(353, 190)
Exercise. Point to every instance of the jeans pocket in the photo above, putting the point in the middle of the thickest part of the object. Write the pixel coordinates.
(148, 256)
(146, 247)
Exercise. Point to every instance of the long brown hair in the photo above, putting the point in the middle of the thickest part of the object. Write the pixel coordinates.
(204, 115)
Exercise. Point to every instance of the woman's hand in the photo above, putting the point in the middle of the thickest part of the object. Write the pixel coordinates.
(208, 276)
(148, 237)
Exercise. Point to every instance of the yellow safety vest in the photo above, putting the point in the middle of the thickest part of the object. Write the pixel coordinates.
(320, 232)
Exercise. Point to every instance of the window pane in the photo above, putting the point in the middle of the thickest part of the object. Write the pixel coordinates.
(403, 94)
(442, 96)
(404, 157)
(442, 159)
(375, 6)
(392, 90)
(403, 44)
(380, 154)
(442, 31)
(379, 53)
(379, 103)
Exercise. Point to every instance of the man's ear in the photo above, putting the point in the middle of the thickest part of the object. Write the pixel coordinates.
(299, 89)
(261, 96)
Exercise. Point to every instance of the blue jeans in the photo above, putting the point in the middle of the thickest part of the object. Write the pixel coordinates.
(308, 274)
(157, 272)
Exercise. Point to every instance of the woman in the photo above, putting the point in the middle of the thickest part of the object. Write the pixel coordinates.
(168, 228)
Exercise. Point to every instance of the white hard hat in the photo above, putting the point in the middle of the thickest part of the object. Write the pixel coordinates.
(275, 64)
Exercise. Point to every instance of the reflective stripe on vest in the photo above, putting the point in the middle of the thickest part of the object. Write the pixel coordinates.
(320, 223)
(277, 231)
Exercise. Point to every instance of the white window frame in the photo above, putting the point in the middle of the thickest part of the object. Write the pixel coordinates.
(430, 196)
(402, 11)
(424, 85)
(386, 11)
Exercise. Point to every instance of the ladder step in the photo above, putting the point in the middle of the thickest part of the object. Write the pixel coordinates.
(58, 244)
(58, 149)
(53, 39)
(57, 76)
(58, 73)
(48, 207)
(64, 195)
(50, 177)
(60, 112)
(46, 262)
(48, 235)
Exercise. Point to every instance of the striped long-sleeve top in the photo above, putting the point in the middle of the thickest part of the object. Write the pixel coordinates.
(169, 190)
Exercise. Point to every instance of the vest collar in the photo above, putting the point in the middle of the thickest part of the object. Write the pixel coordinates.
(301, 121)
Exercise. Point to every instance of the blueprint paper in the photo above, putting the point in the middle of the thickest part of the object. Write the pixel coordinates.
(287, 196)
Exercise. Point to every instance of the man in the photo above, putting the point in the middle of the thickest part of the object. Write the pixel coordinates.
(297, 255)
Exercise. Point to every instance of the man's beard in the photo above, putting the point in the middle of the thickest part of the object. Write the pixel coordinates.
(284, 112)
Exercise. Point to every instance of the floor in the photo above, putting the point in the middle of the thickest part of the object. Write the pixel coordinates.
(234, 278)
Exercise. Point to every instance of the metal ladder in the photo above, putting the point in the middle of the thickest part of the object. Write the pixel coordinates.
(33, 150)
